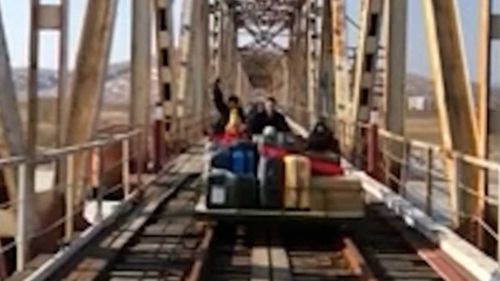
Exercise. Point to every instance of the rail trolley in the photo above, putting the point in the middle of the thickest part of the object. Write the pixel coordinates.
(276, 179)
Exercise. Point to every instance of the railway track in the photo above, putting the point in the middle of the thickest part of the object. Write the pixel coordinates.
(173, 245)
(298, 252)
(167, 246)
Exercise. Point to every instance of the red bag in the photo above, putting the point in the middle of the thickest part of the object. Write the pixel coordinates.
(226, 138)
(324, 167)
(273, 151)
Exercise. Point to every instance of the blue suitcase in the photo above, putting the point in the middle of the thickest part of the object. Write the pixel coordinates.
(244, 159)
(221, 159)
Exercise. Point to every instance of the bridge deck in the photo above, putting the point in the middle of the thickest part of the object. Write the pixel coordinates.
(161, 239)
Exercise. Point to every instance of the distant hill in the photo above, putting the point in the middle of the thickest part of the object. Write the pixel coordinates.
(118, 84)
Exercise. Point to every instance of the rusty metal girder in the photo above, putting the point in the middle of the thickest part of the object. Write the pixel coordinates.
(264, 20)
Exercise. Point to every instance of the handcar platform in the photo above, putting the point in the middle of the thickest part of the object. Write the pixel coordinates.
(218, 214)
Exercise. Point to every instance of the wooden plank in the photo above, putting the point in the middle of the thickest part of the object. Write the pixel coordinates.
(260, 264)
(280, 263)
(453, 94)
(89, 77)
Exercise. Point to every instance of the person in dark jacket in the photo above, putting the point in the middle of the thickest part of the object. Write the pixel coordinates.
(255, 109)
(224, 109)
(269, 117)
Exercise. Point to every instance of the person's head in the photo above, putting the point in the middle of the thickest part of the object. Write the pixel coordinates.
(258, 106)
(233, 102)
(270, 105)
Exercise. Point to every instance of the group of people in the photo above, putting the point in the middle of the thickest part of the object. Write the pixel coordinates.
(233, 120)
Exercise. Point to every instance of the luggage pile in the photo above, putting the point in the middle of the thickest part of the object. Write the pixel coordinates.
(277, 173)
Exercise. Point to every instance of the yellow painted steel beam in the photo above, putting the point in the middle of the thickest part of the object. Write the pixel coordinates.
(483, 94)
(89, 78)
(140, 94)
(395, 99)
(10, 118)
(342, 91)
(453, 95)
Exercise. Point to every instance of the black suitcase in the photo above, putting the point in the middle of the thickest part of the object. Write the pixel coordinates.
(221, 189)
(246, 188)
(271, 177)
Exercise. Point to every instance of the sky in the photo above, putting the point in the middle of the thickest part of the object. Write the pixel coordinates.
(16, 22)
(16, 14)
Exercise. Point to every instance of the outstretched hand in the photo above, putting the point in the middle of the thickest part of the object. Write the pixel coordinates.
(217, 82)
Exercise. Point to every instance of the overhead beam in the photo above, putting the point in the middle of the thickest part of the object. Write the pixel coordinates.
(453, 94)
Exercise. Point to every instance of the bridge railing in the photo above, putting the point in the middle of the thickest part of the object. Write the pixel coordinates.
(428, 175)
(434, 179)
(66, 189)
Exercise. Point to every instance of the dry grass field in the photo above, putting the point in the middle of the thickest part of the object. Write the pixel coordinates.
(111, 114)
(424, 128)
